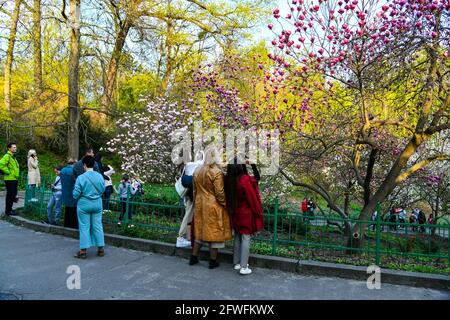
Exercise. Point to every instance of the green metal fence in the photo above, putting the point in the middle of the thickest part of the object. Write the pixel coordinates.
(287, 232)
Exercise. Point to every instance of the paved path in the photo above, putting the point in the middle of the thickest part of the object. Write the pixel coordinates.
(33, 266)
(19, 204)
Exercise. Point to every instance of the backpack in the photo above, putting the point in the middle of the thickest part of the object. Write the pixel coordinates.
(139, 190)
(186, 181)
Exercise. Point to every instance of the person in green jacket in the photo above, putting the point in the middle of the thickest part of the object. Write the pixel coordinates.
(10, 168)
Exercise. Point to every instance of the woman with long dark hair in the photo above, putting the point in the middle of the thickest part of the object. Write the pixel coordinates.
(245, 209)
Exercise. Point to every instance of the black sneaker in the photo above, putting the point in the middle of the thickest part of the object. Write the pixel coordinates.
(12, 213)
(193, 260)
(213, 264)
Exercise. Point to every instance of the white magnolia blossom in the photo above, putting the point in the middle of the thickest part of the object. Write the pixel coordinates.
(144, 142)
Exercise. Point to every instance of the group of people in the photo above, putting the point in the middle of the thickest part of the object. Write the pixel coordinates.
(398, 217)
(218, 203)
(308, 206)
(84, 187)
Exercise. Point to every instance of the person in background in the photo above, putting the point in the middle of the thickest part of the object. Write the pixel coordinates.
(88, 190)
(413, 219)
(10, 168)
(34, 174)
(304, 206)
(431, 221)
(70, 204)
(137, 184)
(125, 191)
(211, 222)
(402, 217)
(184, 231)
(56, 199)
(374, 219)
(422, 219)
(107, 176)
(393, 219)
(78, 168)
(98, 160)
(310, 207)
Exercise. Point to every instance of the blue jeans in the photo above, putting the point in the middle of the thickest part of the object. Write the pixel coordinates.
(55, 201)
(123, 208)
(106, 197)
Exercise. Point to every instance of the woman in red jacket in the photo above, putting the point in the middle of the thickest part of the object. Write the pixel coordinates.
(245, 209)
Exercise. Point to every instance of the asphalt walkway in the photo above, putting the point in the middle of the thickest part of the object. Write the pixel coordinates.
(34, 265)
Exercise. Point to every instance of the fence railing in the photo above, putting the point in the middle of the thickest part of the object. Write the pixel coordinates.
(286, 232)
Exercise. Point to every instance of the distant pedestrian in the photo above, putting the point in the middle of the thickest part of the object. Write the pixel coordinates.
(78, 168)
(431, 221)
(393, 219)
(89, 188)
(137, 184)
(211, 222)
(9, 167)
(374, 218)
(70, 204)
(413, 219)
(107, 176)
(422, 219)
(402, 217)
(245, 209)
(34, 174)
(304, 206)
(310, 207)
(55, 199)
(126, 192)
(98, 162)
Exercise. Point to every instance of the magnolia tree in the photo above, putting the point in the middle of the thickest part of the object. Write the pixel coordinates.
(241, 93)
(143, 139)
(386, 64)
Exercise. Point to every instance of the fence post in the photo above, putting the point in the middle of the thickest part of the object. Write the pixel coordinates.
(275, 226)
(127, 204)
(378, 235)
(448, 245)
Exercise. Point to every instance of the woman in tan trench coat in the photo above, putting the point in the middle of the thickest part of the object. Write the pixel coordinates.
(34, 175)
(211, 220)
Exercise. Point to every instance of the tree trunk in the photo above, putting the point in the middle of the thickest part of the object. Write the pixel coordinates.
(369, 175)
(73, 138)
(384, 190)
(169, 59)
(108, 100)
(37, 54)
(10, 54)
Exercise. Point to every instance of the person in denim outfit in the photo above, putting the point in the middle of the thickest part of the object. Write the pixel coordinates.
(55, 199)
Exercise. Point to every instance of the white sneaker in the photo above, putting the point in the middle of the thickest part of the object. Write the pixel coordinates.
(237, 267)
(245, 271)
(183, 243)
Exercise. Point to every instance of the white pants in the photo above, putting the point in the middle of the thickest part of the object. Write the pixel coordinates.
(189, 210)
(241, 249)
